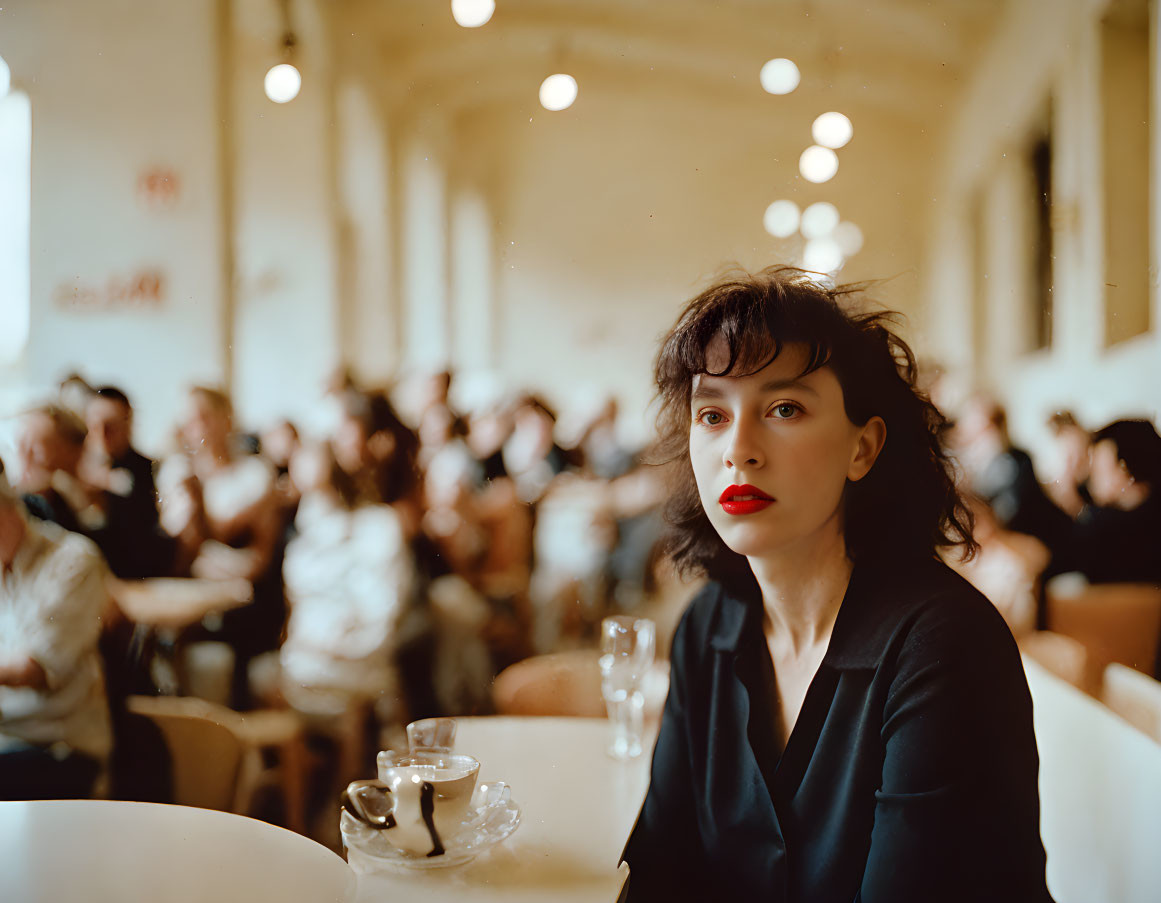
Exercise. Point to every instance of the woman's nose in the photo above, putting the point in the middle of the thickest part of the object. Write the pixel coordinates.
(743, 448)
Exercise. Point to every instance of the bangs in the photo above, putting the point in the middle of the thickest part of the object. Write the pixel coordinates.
(755, 327)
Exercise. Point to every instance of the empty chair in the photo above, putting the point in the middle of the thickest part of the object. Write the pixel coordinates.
(206, 752)
(1134, 696)
(1118, 622)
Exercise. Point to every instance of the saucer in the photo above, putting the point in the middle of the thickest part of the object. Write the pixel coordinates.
(493, 816)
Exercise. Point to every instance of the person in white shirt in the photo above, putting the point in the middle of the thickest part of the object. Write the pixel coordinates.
(348, 575)
(55, 734)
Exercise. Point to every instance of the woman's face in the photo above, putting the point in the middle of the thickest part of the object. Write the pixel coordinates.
(204, 424)
(772, 452)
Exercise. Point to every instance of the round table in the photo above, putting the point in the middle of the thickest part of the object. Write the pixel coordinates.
(577, 809)
(105, 851)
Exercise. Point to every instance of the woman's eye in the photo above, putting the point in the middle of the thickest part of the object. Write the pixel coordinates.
(785, 410)
(711, 418)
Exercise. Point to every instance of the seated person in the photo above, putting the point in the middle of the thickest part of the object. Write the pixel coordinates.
(1068, 472)
(1002, 474)
(221, 506)
(348, 575)
(847, 718)
(50, 446)
(1117, 538)
(135, 547)
(54, 720)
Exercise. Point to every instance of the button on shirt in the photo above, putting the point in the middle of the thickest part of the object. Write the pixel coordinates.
(51, 601)
(910, 774)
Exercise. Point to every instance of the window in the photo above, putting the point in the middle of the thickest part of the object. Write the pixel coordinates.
(15, 193)
(1125, 145)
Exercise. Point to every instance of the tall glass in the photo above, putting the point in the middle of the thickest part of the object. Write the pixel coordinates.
(627, 648)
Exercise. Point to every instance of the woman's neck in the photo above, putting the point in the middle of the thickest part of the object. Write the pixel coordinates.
(802, 590)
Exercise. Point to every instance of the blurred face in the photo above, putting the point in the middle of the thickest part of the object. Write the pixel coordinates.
(1108, 478)
(310, 468)
(350, 444)
(772, 453)
(41, 450)
(204, 423)
(110, 424)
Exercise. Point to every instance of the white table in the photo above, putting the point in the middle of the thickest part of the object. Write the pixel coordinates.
(104, 851)
(577, 809)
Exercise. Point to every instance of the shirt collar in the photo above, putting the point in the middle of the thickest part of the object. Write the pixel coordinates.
(860, 634)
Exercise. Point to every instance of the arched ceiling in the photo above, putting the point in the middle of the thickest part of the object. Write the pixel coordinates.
(903, 58)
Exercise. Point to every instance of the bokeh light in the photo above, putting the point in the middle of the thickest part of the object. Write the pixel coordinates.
(849, 238)
(823, 255)
(283, 83)
(832, 130)
(819, 220)
(557, 92)
(472, 13)
(779, 76)
(781, 219)
(818, 164)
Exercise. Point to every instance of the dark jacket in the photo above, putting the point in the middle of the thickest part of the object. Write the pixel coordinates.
(910, 775)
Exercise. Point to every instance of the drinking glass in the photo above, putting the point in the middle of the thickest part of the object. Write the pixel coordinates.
(627, 647)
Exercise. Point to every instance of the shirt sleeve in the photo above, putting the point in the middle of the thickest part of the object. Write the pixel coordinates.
(72, 594)
(661, 851)
(957, 813)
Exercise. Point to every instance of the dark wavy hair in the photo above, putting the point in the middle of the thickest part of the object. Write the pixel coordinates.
(907, 505)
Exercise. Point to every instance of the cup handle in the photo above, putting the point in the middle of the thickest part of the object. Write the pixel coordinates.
(370, 802)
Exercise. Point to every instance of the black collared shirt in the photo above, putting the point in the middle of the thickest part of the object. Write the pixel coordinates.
(910, 775)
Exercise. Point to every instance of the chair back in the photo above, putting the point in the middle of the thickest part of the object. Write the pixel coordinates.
(1134, 696)
(1118, 622)
(204, 748)
(1067, 658)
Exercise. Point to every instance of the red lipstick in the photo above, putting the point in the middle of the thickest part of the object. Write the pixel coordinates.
(744, 499)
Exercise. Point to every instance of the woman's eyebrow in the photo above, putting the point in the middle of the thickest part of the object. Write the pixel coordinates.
(702, 391)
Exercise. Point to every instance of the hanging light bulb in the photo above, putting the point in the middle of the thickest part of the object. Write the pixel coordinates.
(832, 130)
(819, 220)
(472, 13)
(781, 219)
(818, 164)
(558, 92)
(282, 83)
(779, 76)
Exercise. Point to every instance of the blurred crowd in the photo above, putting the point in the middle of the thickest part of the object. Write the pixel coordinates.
(393, 567)
(1090, 514)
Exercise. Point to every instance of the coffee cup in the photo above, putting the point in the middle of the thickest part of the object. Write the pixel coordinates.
(419, 801)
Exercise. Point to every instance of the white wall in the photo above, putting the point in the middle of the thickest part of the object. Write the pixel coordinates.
(1041, 48)
(287, 322)
(118, 88)
(611, 214)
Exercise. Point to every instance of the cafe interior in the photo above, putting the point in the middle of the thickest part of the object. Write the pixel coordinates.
(290, 288)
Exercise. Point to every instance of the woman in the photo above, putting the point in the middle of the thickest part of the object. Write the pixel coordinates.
(348, 575)
(222, 508)
(847, 719)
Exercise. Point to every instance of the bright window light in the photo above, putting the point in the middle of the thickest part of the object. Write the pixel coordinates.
(818, 164)
(15, 207)
(283, 83)
(557, 92)
(779, 76)
(472, 13)
(832, 130)
(5, 78)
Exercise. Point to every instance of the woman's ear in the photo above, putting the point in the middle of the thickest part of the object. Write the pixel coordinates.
(871, 437)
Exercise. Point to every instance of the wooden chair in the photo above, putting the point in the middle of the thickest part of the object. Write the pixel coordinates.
(1117, 622)
(217, 754)
(1135, 697)
(205, 750)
